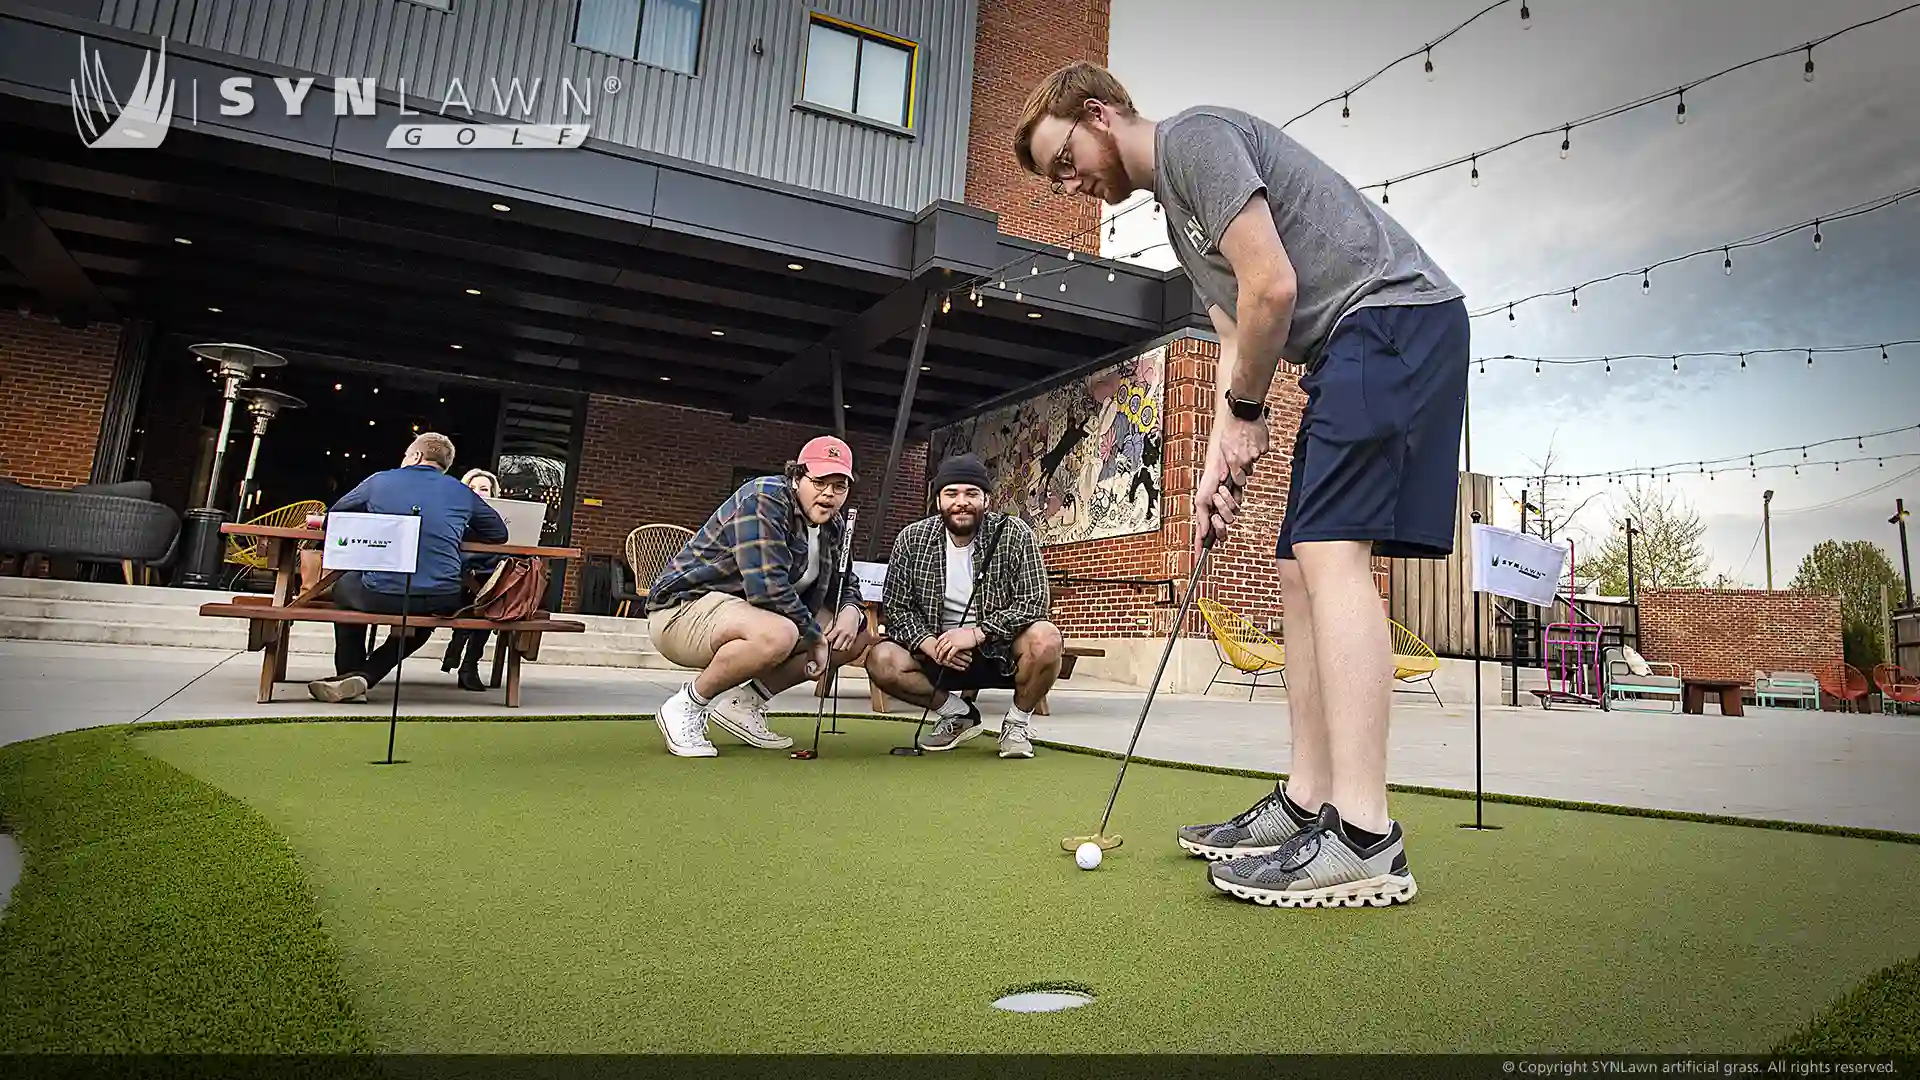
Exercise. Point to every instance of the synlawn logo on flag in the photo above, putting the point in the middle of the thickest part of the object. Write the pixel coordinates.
(103, 123)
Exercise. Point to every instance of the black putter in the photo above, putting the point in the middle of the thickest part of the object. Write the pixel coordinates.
(939, 677)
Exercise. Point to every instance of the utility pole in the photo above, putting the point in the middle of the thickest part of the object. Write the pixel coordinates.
(1906, 567)
(1633, 593)
(1766, 528)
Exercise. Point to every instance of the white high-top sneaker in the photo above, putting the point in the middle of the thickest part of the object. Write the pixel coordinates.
(684, 723)
(744, 713)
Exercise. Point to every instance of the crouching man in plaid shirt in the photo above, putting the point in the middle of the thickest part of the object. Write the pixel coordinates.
(966, 609)
(756, 601)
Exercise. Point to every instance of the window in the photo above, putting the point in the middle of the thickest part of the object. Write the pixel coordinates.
(663, 33)
(860, 72)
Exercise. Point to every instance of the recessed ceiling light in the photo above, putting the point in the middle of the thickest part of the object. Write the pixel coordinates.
(502, 207)
(377, 389)
(666, 378)
(443, 401)
(1033, 314)
(336, 386)
(181, 240)
(718, 333)
(846, 406)
(369, 423)
(795, 266)
(456, 346)
(924, 367)
(215, 310)
(473, 292)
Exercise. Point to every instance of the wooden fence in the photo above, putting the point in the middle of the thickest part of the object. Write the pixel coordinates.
(1906, 640)
(1434, 598)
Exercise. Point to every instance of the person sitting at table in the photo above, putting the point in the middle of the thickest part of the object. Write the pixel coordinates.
(451, 514)
(464, 650)
(966, 606)
(746, 601)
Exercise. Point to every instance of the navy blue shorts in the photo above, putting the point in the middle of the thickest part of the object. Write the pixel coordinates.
(1378, 454)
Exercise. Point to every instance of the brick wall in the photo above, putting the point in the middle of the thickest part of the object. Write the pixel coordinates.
(649, 463)
(1017, 44)
(1729, 634)
(53, 389)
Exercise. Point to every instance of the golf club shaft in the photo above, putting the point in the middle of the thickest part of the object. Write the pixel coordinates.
(1173, 635)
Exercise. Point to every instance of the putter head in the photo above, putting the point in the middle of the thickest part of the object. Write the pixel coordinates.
(1107, 843)
(906, 751)
(803, 755)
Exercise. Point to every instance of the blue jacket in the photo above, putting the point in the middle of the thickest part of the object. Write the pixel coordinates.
(450, 514)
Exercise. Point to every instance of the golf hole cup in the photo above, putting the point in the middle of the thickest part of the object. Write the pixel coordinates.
(1087, 855)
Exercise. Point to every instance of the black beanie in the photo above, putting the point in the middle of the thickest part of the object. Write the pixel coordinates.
(961, 469)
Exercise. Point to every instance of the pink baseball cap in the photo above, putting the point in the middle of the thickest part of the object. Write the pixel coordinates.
(827, 456)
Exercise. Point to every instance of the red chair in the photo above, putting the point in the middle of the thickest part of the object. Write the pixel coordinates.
(1897, 688)
(1846, 685)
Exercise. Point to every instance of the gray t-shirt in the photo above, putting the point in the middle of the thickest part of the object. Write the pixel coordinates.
(1347, 252)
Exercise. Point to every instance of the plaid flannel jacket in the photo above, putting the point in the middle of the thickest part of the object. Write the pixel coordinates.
(755, 547)
(1010, 596)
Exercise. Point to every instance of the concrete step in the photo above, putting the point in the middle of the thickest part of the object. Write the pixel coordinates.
(106, 592)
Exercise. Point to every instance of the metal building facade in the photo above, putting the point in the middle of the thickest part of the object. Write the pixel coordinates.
(737, 113)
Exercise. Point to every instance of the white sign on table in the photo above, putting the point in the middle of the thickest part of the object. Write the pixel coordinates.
(873, 580)
(1516, 565)
(386, 542)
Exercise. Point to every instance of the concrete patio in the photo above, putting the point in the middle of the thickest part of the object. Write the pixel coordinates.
(1827, 768)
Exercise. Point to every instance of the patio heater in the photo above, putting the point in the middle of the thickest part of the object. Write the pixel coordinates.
(200, 542)
(264, 404)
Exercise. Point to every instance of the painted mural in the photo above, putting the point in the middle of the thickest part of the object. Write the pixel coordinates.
(1081, 461)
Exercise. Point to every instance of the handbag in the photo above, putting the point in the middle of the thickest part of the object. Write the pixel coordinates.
(512, 592)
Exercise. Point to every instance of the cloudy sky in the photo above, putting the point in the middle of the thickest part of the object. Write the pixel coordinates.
(1761, 149)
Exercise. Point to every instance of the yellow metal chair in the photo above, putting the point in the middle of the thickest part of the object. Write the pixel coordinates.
(250, 552)
(1413, 662)
(647, 549)
(1241, 645)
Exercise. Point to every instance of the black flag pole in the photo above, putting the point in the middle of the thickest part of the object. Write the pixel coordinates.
(1479, 819)
(400, 641)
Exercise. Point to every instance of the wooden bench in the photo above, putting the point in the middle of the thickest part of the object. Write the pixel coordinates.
(268, 625)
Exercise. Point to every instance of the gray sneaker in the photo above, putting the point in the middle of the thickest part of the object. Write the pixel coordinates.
(1258, 830)
(1015, 740)
(1319, 868)
(951, 731)
(339, 688)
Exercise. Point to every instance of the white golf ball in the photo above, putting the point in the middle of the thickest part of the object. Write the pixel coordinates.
(1087, 855)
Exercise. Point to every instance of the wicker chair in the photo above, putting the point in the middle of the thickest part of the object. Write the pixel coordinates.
(250, 552)
(1242, 646)
(1413, 661)
(98, 523)
(648, 548)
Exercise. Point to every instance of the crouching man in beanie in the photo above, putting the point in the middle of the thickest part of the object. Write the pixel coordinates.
(756, 601)
(966, 609)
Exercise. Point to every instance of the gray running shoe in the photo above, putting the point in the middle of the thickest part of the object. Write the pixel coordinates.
(1319, 868)
(951, 731)
(1015, 740)
(1259, 830)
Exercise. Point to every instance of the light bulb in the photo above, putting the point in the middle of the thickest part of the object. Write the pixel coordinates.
(1566, 141)
(1017, 296)
(1346, 114)
(1809, 357)
(1646, 282)
(1743, 360)
(1809, 75)
(1526, 16)
(1429, 65)
(946, 304)
(1510, 313)
(1816, 235)
(1883, 355)
(1063, 286)
(1536, 367)
(1676, 363)
(1386, 194)
(1576, 298)
(1474, 179)
(1109, 275)
(1728, 264)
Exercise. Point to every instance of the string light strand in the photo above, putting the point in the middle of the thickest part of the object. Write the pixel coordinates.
(1752, 459)
(1526, 18)
(1798, 350)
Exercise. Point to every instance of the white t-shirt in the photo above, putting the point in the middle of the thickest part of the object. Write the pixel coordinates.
(813, 561)
(959, 587)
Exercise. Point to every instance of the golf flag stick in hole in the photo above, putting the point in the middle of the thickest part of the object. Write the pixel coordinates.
(1106, 842)
(832, 674)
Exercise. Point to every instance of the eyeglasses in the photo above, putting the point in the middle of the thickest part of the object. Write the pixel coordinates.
(836, 485)
(1062, 169)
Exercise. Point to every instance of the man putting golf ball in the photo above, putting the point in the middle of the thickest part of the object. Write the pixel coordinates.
(1294, 262)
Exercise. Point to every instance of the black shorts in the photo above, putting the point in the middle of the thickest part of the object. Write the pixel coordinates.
(1378, 454)
(985, 673)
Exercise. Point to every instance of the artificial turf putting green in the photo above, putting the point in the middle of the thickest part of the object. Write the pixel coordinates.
(568, 886)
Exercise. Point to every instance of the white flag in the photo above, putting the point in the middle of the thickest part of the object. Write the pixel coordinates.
(389, 542)
(1516, 565)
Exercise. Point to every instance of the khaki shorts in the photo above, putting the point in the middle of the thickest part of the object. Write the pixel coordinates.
(684, 634)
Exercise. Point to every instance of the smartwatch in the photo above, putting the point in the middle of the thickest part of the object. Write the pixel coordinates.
(1250, 411)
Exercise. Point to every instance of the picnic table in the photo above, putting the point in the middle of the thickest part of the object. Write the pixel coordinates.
(270, 617)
